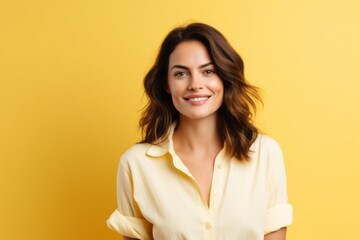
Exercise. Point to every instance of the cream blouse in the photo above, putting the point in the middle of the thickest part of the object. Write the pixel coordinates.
(159, 199)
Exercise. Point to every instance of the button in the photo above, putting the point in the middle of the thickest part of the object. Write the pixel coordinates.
(219, 166)
(207, 226)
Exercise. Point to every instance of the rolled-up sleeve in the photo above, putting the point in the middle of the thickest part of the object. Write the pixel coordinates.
(129, 226)
(279, 212)
(127, 219)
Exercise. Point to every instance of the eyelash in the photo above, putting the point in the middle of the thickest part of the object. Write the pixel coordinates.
(183, 74)
(180, 74)
(209, 71)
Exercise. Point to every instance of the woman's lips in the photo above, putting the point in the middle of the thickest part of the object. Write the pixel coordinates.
(198, 100)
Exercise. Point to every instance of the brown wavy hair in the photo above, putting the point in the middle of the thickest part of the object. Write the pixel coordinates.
(239, 104)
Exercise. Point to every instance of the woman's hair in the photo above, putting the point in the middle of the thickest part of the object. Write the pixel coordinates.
(235, 114)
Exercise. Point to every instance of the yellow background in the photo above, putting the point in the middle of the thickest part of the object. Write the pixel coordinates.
(71, 90)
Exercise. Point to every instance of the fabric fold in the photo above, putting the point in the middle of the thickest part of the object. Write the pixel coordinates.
(130, 226)
(278, 217)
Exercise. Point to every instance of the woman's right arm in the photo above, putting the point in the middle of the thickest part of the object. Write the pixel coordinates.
(128, 219)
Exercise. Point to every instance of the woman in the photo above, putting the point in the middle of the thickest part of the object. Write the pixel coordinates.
(202, 170)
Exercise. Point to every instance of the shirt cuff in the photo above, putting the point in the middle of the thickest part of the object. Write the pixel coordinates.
(278, 217)
(130, 226)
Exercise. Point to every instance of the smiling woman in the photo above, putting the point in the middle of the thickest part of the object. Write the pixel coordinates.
(202, 170)
(196, 90)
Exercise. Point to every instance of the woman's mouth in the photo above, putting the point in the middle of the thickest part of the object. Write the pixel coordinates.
(196, 99)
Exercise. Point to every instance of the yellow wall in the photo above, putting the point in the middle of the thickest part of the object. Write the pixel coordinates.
(71, 89)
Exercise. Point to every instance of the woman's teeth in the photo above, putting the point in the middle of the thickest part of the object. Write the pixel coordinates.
(197, 99)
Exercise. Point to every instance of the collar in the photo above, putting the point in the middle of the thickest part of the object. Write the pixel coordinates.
(160, 149)
(167, 146)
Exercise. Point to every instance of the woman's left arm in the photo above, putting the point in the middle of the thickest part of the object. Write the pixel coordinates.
(277, 235)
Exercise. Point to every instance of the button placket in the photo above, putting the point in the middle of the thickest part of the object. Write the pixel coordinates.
(217, 184)
(209, 229)
(215, 195)
(208, 226)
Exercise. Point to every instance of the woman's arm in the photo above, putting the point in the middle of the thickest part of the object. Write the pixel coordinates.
(277, 235)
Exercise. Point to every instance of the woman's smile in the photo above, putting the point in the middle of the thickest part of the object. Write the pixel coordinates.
(193, 82)
(197, 100)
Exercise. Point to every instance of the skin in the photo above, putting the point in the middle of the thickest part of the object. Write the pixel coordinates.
(197, 93)
(276, 235)
(192, 74)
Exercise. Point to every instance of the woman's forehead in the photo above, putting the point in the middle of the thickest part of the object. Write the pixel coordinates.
(192, 53)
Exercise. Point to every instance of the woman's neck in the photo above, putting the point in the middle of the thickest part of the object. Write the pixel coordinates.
(197, 135)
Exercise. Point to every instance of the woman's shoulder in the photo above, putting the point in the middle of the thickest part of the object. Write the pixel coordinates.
(263, 140)
(137, 148)
(145, 152)
(135, 152)
(266, 146)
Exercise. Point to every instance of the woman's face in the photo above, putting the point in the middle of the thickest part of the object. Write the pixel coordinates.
(196, 90)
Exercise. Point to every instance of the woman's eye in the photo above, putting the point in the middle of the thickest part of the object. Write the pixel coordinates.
(180, 74)
(209, 72)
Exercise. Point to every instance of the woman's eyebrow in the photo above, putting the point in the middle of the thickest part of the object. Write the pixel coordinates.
(187, 68)
(206, 64)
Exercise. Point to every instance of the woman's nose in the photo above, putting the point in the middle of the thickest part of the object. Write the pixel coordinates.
(195, 83)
